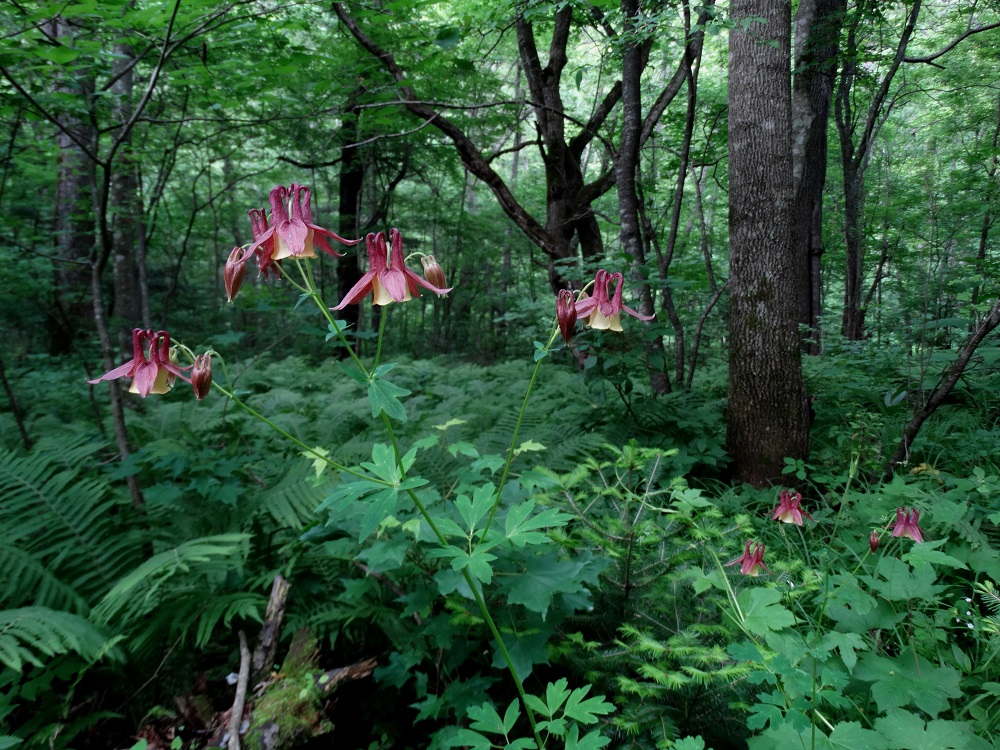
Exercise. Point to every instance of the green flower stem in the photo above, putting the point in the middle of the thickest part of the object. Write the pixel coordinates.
(517, 430)
(490, 622)
(310, 289)
(308, 449)
(381, 332)
(729, 589)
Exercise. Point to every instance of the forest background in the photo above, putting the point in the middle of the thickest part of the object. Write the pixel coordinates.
(805, 197)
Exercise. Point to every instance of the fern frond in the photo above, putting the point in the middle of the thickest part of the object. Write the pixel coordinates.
(292, 502)
(28, 580)
(244, 604)
(29, 633)
(143, 589)
(65, 519)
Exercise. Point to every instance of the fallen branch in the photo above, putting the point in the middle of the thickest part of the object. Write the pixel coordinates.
(236, 717)
(945, 383)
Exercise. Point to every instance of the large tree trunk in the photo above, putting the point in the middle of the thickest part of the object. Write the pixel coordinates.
(768, 415)
(817, 25)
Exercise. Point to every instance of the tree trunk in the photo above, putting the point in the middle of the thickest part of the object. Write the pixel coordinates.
(125, 210)
(352, 179)
(817, 26)
(74, 221)
(768, 414)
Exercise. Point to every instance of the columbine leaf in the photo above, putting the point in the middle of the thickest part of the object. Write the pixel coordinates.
(586, 711)
(381, 504)
(590, 741)
(510, 717)
(907, 681)
(384, 397)
(486, 719)
(520, 527)
(473, 511)
(468, 738)
(761, 611)
(927, 554)
(555, 694)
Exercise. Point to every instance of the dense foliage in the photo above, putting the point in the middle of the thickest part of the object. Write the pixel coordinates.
(492, 535)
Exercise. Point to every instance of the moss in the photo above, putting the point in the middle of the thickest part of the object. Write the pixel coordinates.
(290, 712)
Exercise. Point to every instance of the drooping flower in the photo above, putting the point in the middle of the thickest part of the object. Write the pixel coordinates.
(387, 278)
(788, 510)
(201, 375)
(263, 249)
(151, 367)
(602, 309)
(751, 563)
(566, 314)
(906, 525)
(873, 540)
(235, 270)
(292, 233)
(433, 271)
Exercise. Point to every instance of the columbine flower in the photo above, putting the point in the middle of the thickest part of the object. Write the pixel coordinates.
(292, 233)
(201, 375)
(751, 563)
(387, 279)
(603, 308)
(906, 525)
(235, 270)
(151, 368)
(873, 541)
(566, 314)
(433, 271)
(788, 510)
(262, 246)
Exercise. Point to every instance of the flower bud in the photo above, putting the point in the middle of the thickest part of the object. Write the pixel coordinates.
(566, 314)
(201, 375)
(234, 272)
(873, 541)
(433, 271)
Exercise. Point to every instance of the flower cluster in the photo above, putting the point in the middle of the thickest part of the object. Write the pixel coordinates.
(153, 367)
(387, 278)
(290, 234)
(602, 309)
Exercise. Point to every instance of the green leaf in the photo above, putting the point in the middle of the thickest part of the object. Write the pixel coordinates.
(847, 644)
(474, 511)
(8, 741)
(903, 729)
(486, 719)
(590, 741)
(761, 611)
(510, 717)
(586, 711)
(909, 680)
(555, 694)
(384, 397)
(927, 554)
(540, 351)
(468, 738)
(520, 527)
(380, 505)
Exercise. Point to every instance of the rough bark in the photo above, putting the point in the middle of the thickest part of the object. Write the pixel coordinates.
(767, 416)
(817, 26)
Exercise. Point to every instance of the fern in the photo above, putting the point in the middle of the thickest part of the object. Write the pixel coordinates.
(65, 521)
(143, 589)
(30, 634)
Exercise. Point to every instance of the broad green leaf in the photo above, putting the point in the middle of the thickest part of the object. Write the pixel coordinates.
(908, 681)
(486, 719)
(545, 577)
(468, 738)
(761, 611)
(586, 710)
(903, 729)
(380, 505)
(847, 644)
(927, 554)
(384, 397)
(521, 528)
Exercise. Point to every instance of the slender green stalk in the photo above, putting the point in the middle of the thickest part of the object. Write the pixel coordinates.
(310, 289)
(517, 431)
(381, 331)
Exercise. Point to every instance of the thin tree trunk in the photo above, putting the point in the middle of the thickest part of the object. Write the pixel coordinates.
(817, 25)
